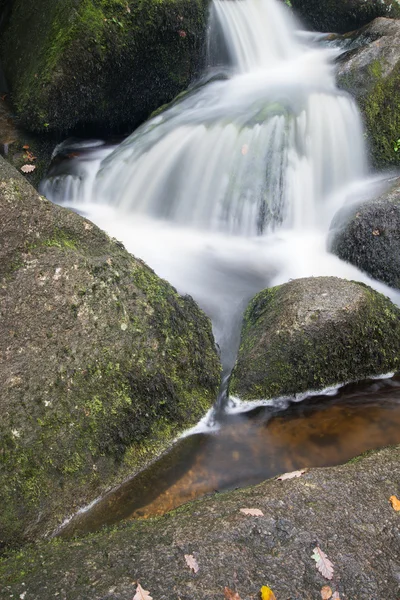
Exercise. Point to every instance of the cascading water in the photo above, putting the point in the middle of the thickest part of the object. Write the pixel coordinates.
(232, 188)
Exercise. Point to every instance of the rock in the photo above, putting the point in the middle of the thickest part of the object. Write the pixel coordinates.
(345, 510)
(368, 236)
(347, 15)
(370, 71)
(312, 333)
(102, 66)
(102, 362)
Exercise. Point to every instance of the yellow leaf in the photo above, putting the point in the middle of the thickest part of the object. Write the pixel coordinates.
(267, 593)
(395, 502)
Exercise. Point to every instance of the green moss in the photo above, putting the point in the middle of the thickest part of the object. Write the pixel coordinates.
(381, 110)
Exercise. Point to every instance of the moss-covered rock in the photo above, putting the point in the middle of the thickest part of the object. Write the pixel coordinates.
(370, 71)
(368, 236)
(346, 15)
(343, 509)
(102, 362)
(312, 333)
(102, 64)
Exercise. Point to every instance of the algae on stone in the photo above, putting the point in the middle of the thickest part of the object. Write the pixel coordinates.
(312, 333)
(102, 362)
(101, 64)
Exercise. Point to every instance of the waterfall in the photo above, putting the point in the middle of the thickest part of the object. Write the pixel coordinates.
(232, 187)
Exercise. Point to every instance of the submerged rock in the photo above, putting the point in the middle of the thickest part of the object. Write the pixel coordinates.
(102, 362)
(344, 510)
(368, 236)
(102, 65)
(347, 15)
(312, 333)
(370, 71)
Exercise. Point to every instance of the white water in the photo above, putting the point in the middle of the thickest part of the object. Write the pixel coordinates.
(232, 188)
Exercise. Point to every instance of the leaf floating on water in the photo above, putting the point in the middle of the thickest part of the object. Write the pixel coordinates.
(324, 565)
(230, 594)
(192, 562)
(141, 594)
(395, 502)
(28, 168)
(253, 512)
(336, 596)
(267, 593)
(326, 592)
(291, 475)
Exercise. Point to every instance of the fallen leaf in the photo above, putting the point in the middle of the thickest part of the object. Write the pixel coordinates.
(245, 149)
(324, 565)
(291, 475)
(395, 502)
(230, 594)
(141, 594)
(267, 593)
(376, 232)
(28, 168)
(26, 147)
(336, 596)
(253, 512)
(326, 592)
(191, 562)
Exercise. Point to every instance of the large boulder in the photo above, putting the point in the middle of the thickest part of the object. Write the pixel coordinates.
(102, 64)
(344, 510)
(370, 71)
(312, 333)
(368, 236)
(343, 16)
(102, 362)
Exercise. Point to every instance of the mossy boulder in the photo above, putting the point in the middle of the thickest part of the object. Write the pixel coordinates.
(344, 15)
(368, 236)
(313, 333)
(370, 71)
(104, 65)
(102, 362)
(344, 510)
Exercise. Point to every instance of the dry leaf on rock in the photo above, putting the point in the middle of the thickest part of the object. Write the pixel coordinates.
(395, 502)
(323, 564)
(267, 593)
(253, 512)
(28, 168)
(230, 594)
(141, 594)
(336, 596)
(291, 475)
(191, 562)
(326, 592)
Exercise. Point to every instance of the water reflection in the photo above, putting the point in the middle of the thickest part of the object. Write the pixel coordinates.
(253, 446)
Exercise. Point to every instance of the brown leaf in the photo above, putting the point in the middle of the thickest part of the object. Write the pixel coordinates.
(26, 147)
(28, 168)
(141, 594)
(395, 502)
(253, 512)
(291, 475)
(230, 594)
(192, 562)
(323, 564)
(376, 232)
(326, 592)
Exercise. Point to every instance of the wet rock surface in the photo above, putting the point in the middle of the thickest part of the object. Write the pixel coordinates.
(99, 66)
(369, 69)
(347, 15)
(313, 333)
(102, 362)
(344, 510)
(368, 236)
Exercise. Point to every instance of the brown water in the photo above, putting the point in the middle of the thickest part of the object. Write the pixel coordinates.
(254, 446)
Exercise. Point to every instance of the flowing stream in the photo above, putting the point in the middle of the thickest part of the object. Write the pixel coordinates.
(232, 188)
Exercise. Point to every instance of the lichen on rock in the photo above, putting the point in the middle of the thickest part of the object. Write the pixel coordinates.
(313, 333)
(102, 362)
